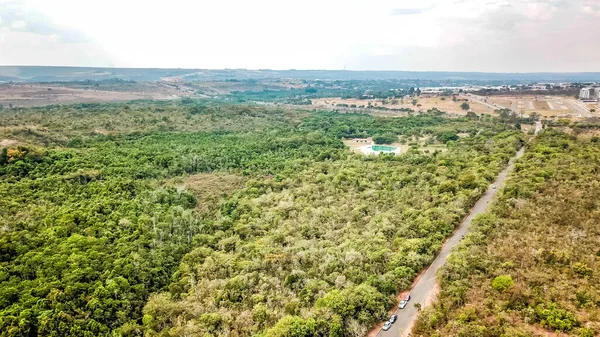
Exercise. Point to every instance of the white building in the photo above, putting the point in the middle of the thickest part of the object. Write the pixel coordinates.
(584, 93)
(597, 93)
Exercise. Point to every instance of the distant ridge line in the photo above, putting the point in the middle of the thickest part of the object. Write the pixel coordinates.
(34, 74)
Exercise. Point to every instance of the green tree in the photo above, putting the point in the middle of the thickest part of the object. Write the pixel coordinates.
(293, 326)
(465, 106)
(502, 282)
(447, 136)
(3, 156)
(386, 138)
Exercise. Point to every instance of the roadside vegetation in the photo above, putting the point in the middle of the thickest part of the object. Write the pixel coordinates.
(101, 235)
(530, 268)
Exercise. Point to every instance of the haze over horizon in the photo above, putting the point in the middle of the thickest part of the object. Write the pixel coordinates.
(428, 35)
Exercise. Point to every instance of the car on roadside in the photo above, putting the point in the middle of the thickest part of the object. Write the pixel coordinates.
(393, 318)
(387, 326)
(404, 302)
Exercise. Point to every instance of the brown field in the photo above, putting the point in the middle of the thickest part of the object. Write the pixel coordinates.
(209, 188)
(28, 95)
(541, 106)
(547, 106)
(40, 94)
(226, 87)
(426, 103)
(503, 101)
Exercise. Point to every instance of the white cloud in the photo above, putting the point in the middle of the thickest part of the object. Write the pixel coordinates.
(18, 25)
(476, 35)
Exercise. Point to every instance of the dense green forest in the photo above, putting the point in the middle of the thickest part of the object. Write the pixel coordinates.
(101, 232)
(530, 268)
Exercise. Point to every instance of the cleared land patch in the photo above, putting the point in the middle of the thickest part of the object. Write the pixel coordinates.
(29, 95)
(547, 106)
(422, 104)
(209, 188)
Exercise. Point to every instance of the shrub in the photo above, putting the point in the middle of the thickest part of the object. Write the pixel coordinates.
(502, 282)
(552, 317)
(386, 138)
(582, 269)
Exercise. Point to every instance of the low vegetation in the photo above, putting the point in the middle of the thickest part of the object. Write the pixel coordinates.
(531, 265)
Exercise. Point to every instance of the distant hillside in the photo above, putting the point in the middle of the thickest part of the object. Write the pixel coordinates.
(54, 74)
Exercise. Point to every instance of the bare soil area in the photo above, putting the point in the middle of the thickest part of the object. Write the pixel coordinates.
(422, 104)
(28, 95)
(226, 87)
(541, 106)
(547, 106)
(7, 142)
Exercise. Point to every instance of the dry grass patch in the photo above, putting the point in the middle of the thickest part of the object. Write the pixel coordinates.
(7, 142)
(422, 104)
(540, 105)
(210, 188)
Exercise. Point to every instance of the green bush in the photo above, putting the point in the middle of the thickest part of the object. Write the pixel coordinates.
(387, 138)
(552, 317)
(502, 282)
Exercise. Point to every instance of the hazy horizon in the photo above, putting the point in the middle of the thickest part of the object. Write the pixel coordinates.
(307, 70)
(496, 36)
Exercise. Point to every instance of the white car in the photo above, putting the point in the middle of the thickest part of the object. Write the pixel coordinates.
(387, 326)
(404, 302)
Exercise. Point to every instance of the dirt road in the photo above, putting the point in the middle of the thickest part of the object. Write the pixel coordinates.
(424, 290)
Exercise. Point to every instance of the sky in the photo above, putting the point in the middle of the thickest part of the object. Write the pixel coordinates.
(410, 35)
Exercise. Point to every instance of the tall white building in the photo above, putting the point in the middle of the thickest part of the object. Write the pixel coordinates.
(584, 93)
(597, 93)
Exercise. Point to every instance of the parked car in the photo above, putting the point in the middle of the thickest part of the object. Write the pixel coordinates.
(393, 318)
(404, 302)
(387, 326)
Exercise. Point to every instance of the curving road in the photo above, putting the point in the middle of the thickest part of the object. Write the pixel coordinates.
(424, 288)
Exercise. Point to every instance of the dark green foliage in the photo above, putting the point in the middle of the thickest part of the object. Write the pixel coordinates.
(3, 156)
(447, 136)
(387, 138)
